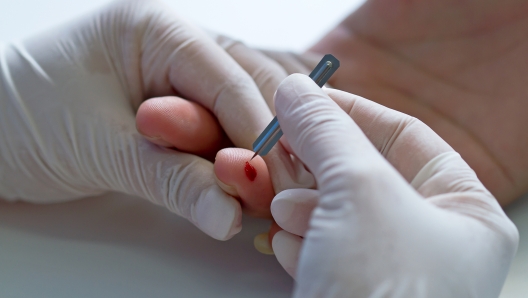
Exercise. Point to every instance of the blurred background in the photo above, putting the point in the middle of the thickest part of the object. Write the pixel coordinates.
(117, 246)
(278, 24)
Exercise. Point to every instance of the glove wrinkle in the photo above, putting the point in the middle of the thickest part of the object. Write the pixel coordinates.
(372, 233)
(68, 98)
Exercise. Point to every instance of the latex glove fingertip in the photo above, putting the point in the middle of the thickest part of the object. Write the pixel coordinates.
(287, 247)
(292, 209)
(217, 214)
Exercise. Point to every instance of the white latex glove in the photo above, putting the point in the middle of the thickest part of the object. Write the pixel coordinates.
(267, 67)
(67, 105)
(396, 213)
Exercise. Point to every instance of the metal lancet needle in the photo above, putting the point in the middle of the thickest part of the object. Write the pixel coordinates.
(272, 133)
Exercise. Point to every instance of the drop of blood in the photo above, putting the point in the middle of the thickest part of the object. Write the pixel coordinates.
(251, 173)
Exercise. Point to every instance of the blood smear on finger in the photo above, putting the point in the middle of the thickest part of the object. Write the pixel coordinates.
(251, 173)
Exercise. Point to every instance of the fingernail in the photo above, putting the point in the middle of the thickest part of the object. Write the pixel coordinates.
(227, 188)
(158, 141)
(287, 247)
(261, 243)
(217, 214)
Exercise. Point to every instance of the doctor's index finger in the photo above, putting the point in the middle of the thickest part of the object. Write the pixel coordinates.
(330, 140)
(182, 58)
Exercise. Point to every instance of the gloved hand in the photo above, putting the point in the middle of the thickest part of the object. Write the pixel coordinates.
(396, 212)
(459, 67)
(161, 117)
(68, 99)
(267, 67)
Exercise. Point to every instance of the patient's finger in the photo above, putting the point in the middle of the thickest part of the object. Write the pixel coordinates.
(263, 242)
(247, 180)
(175, 122)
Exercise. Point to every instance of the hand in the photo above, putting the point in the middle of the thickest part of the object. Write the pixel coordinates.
(67, 113)
(458, 66)
(396, 212)
(267, 67)
(162, 117)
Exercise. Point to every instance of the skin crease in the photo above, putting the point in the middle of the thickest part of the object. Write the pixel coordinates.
(459, 66)
(182, 124)
(156, 116)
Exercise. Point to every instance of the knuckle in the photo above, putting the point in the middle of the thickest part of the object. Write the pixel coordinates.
(269, 73)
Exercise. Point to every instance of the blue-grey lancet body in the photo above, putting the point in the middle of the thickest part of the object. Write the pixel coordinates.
(271, 135)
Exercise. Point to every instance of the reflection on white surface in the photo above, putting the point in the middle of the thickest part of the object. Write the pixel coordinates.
(120, 246)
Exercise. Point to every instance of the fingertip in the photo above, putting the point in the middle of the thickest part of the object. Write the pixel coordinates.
(247, 180)
(175, 122)
(292, 209)
(262, 242)
(217, 214)
(286, 247)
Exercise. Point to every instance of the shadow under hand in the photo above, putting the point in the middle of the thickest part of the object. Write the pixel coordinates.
(132, 247)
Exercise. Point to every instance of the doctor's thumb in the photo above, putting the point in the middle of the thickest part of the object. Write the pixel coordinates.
(319, 132)
(181, 182)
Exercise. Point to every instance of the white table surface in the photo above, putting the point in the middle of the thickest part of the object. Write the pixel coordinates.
(120, 246)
